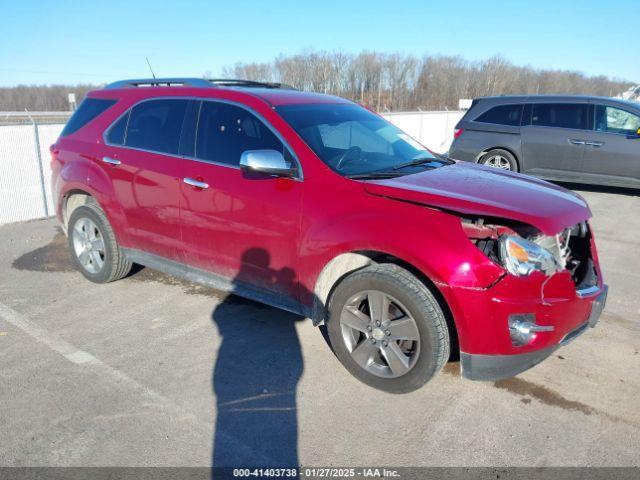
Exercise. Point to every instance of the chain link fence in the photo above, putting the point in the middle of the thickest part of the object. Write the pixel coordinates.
(25, 167)
(25, 163)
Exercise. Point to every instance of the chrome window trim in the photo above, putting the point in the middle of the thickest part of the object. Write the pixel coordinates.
(299, 177)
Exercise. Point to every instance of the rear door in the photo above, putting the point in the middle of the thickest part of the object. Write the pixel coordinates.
(141, 158)
(553, 140)
(242, 227)
(612, 151)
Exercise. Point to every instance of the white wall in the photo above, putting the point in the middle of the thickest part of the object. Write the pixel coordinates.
(21, 196)
(433, 129)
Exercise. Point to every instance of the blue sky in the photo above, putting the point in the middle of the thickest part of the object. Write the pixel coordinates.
(94, 42)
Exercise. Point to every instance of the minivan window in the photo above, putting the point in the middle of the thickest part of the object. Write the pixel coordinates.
(615, 120)
(561, 115)
(225, 131)
(115, 135)
(156, 124)
(89, 109)
(502, 115)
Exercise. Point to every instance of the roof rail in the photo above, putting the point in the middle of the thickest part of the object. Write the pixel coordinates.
(236, 82)
(194, 82)
(160, 82)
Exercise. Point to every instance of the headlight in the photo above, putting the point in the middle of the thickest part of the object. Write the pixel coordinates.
(521, 257)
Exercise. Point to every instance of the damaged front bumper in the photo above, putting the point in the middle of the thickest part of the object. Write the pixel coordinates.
(495, 367)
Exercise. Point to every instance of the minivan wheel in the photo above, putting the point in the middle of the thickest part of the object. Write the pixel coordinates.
(501, 159)
(93, 246)
(387, 328)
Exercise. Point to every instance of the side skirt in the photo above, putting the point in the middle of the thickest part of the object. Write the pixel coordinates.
(218, 282)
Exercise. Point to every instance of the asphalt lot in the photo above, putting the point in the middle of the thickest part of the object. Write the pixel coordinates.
(153, 371)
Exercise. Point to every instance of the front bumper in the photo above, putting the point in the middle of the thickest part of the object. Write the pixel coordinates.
(496, 367)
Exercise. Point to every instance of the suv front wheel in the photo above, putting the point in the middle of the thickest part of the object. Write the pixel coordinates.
(93, 246)
(387, 329)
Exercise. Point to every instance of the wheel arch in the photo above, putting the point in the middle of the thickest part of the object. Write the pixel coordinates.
(344, 264)
(73, 199)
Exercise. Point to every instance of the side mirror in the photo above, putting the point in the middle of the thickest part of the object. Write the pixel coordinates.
(269, 162)
(634, 135)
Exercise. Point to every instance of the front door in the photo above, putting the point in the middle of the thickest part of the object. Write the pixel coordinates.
(612, 152)
(242, 227)
(553, 142)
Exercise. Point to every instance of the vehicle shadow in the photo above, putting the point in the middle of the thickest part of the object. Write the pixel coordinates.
(256, 373)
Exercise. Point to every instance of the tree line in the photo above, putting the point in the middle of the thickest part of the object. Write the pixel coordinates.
(41, 98)
(381, 81)
(397, 82)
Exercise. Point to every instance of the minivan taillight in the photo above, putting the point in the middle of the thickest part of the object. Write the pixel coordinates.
(457, 132)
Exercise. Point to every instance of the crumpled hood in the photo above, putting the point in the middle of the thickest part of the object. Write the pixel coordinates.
(472, 189)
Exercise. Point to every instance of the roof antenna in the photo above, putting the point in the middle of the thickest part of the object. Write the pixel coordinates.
(148, 63)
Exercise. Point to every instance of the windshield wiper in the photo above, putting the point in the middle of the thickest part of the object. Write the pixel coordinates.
(372, 175)
(418, 161)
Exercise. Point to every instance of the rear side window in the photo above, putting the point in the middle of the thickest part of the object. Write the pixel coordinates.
(156, 125)
(561, 115)
(502, 115)
(225, 131)
(89, 109)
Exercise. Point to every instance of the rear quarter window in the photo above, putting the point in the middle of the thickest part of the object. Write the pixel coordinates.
(502, 115)
(89, 109)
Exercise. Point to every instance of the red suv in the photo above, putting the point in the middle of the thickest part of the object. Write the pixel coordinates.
(314, 204)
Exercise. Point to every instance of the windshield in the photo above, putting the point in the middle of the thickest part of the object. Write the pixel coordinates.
(355, 142)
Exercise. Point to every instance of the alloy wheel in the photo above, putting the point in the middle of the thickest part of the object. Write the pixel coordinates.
(380, 333)
(88, 244)
(498, 161)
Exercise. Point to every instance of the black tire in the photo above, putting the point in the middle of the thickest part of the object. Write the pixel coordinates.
(116, 265)
(421, 305)
(498, 152)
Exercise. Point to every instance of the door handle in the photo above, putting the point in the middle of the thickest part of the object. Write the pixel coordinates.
(594, 144)
(195, 183)
(111, 161)
(575, 141)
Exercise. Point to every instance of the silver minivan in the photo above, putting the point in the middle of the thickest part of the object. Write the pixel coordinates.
(593, 140)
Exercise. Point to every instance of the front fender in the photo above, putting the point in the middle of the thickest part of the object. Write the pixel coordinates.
(431, 241)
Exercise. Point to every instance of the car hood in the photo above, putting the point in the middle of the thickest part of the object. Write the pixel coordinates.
(473, 189)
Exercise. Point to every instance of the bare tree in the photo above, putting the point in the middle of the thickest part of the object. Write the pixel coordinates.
(380, 81)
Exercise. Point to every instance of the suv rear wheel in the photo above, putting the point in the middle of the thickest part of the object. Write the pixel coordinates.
(93, 246)
(387, 329)
(499, 158)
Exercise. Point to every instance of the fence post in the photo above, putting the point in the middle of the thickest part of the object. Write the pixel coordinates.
(36, 141)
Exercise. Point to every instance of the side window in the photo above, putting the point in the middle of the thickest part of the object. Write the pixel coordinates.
(615, 120)
(115, 135)
(225, 131)
(156, 125)
(561, 115)
(502, 115)
(89, 109)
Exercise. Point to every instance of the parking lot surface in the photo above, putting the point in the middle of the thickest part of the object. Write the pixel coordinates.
(151, 370)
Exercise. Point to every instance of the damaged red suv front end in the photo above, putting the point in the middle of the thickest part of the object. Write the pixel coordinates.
(543, 287)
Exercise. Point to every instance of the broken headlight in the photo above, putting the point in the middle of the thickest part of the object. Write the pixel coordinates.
(521, 257)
